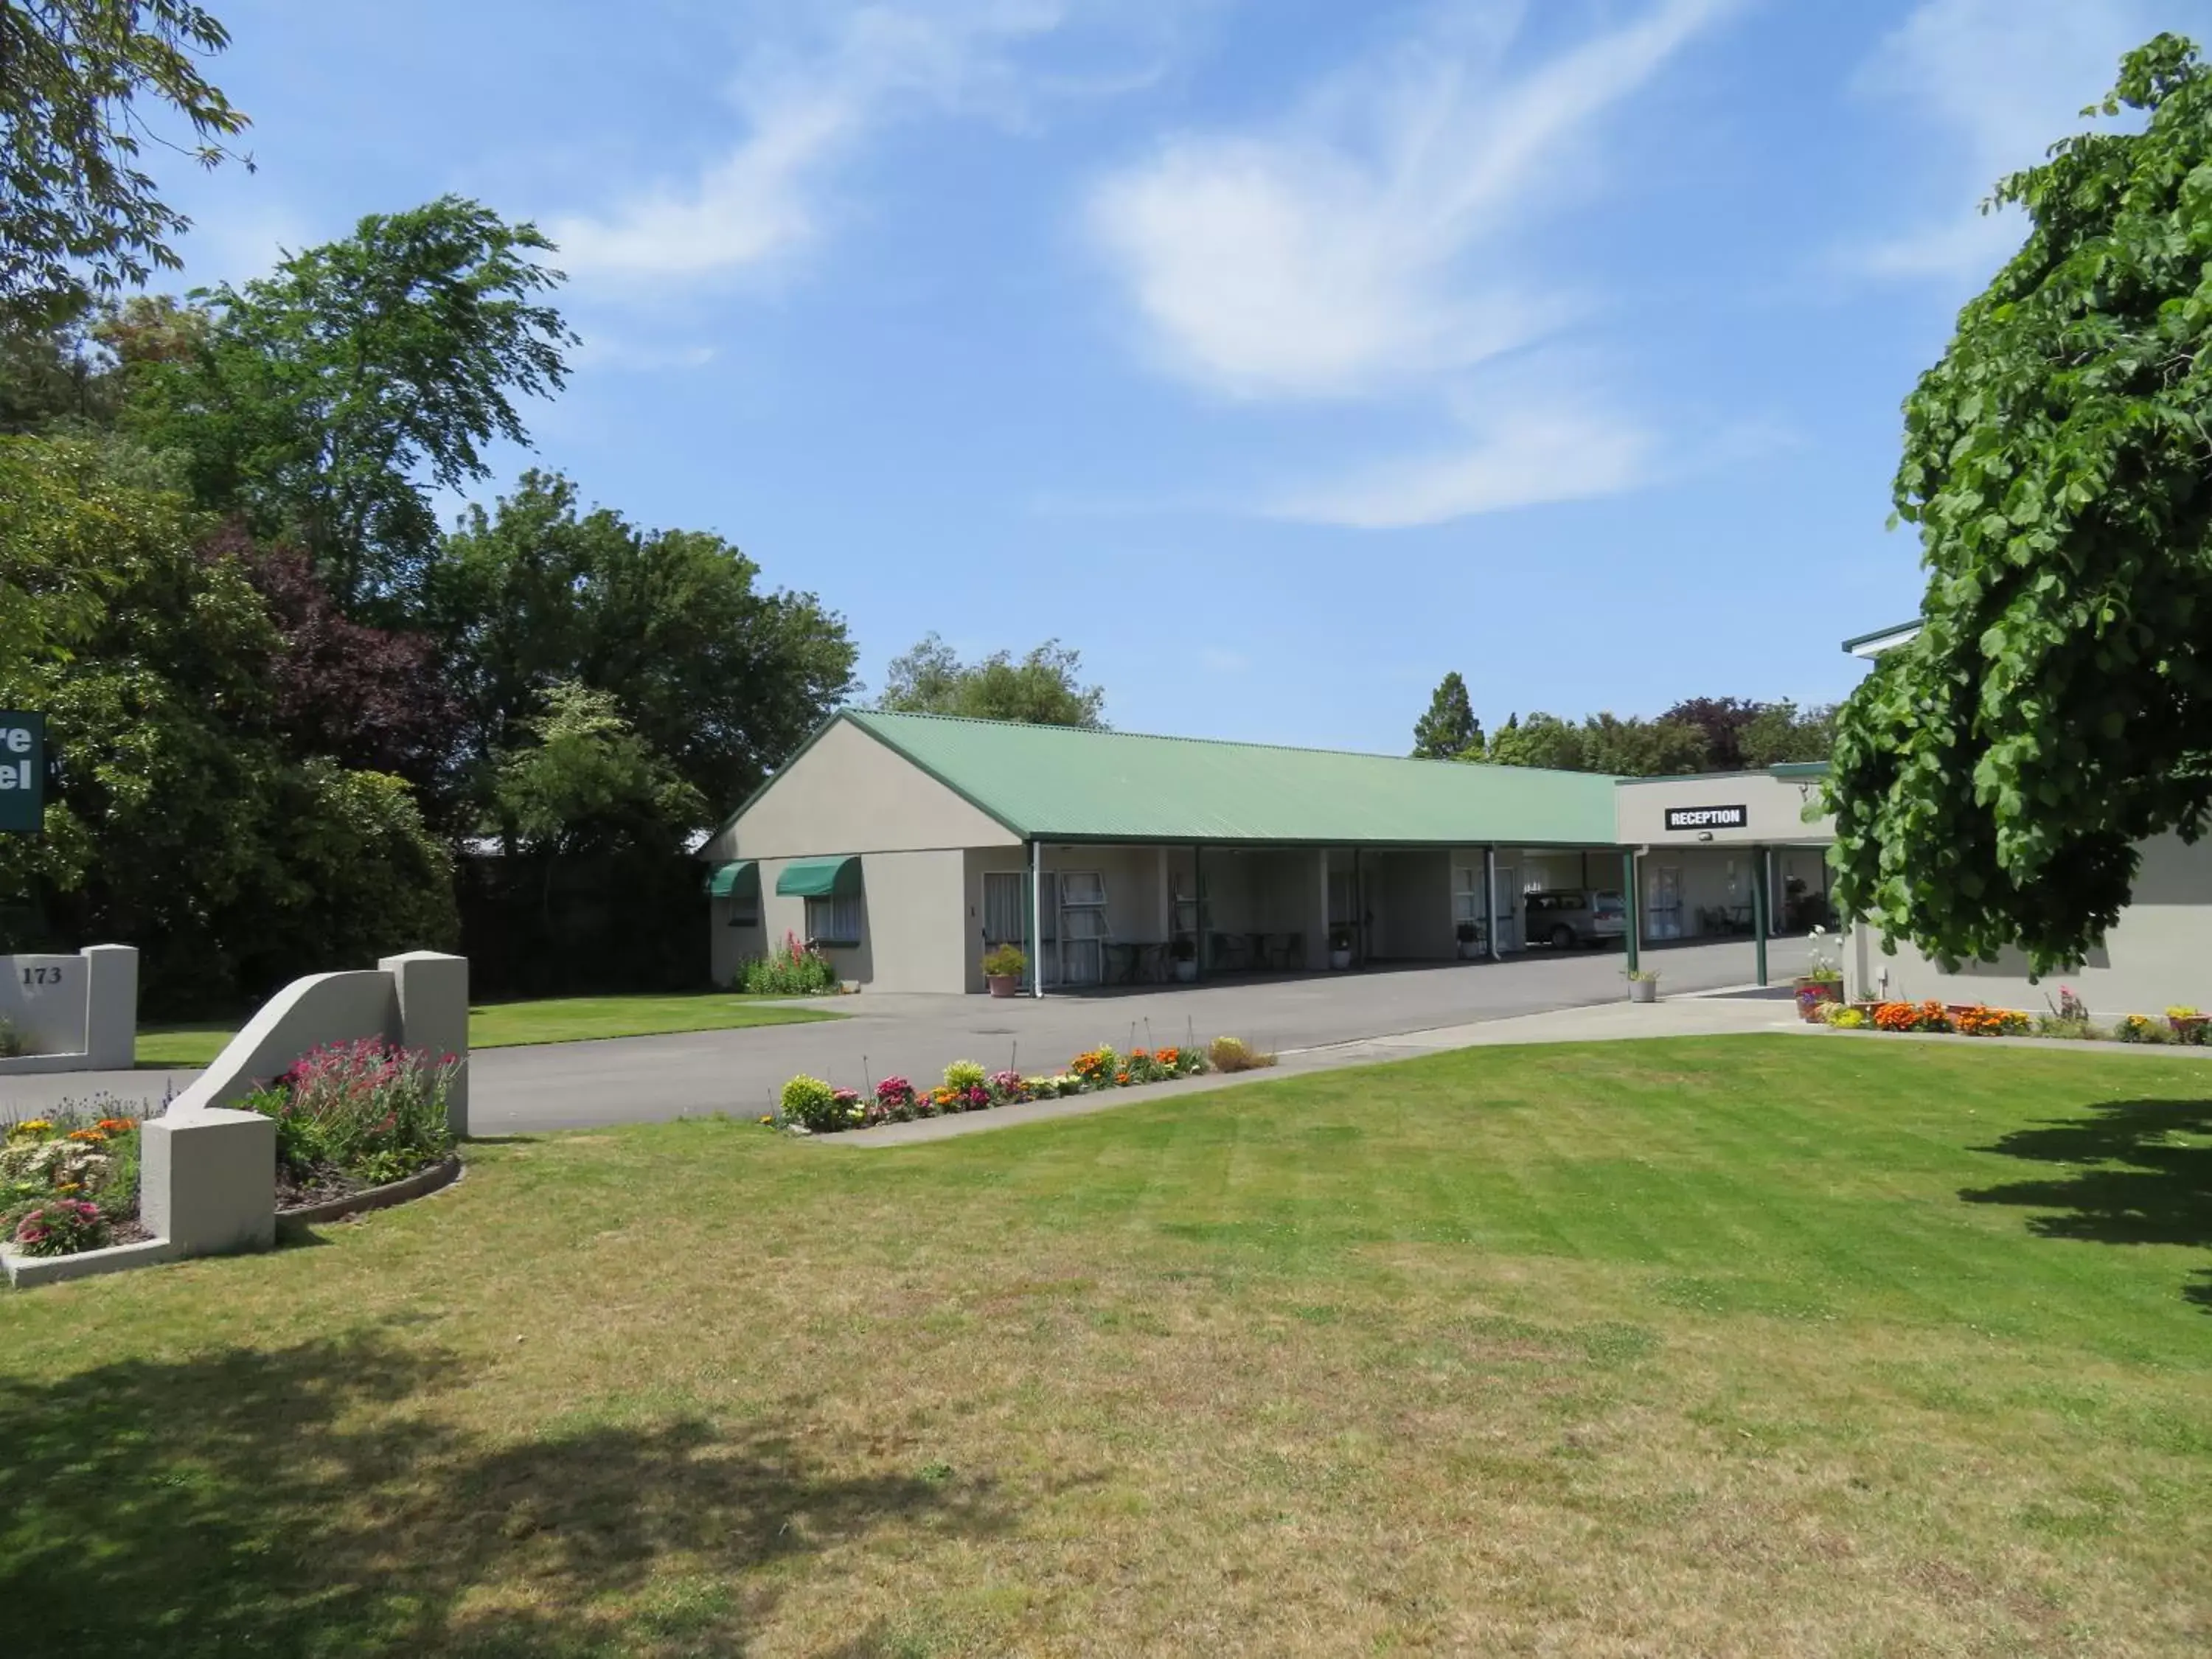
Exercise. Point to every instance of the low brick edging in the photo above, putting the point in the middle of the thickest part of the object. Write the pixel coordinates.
(421, 1184)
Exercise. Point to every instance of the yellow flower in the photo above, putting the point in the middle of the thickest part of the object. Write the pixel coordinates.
(31, 1126)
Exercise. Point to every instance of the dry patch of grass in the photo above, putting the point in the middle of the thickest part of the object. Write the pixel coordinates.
(1727, 1347)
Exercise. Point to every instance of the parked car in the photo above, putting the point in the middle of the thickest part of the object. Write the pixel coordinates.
(1568, 916)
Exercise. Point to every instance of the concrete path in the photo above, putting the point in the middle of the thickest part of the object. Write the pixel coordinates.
(647, 1080)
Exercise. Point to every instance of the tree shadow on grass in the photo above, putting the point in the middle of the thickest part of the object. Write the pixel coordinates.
(312, 1500)
(2140, 1172)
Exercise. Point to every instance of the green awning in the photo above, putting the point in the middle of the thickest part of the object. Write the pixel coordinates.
(739, 880)
(818, 877)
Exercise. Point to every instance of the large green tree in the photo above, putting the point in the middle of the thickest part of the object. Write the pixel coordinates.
(78, 78)
(716, 672)
(183, 822)
(1993, 776)
(1043, 688)
(1449, 730)
(326, 401)
(1631, 747)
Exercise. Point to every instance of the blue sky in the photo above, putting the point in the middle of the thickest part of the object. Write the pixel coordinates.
(1278, 355)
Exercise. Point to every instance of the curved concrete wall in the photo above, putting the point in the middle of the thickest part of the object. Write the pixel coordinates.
(305, 1015)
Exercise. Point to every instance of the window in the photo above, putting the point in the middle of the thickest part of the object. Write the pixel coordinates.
(745, 912)
(833, 920)
(1005, 907)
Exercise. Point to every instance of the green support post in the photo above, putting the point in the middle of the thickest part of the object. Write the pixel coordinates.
(1635, 910)
(1759, 899)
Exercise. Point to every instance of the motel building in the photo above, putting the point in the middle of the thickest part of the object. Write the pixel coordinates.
(908, 845)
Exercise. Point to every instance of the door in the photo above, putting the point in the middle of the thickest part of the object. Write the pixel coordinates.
(1506, 889)
(1663, 903)
(1005, 916)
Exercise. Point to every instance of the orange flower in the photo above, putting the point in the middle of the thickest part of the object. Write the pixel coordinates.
(89, 1137)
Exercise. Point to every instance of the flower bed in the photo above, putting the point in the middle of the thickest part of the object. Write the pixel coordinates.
(354, 1116)
(789, 970)
(2067, 1020)
(69, 1182)
(810, 1106)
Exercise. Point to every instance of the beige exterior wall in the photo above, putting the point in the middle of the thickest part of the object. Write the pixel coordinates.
(1774, 810)
(730, 946)
(849, 793)
(2154, 958)
(909, 922)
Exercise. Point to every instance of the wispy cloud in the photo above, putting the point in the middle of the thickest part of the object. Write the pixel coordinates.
(1993, 83)
(1376, 239)
(1530, 455)
(803, 111)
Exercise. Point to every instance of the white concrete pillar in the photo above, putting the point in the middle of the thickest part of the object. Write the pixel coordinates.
(207, 1180)
(432, 993)
(111, 1007)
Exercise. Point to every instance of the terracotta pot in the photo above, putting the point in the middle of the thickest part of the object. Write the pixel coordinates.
(1003, 985)
(1814, 994)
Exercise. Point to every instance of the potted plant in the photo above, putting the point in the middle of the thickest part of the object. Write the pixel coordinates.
(1183, 950)
(1467, 933)
(1339, 947)
(2188, 1023)
(1642, 984)
(1821, 983)
(1003, 970)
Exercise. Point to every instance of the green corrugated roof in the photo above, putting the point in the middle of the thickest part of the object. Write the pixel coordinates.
(1056, 783)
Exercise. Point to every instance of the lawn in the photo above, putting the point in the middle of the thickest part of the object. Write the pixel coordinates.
(550, 1020)
(1750, 1346)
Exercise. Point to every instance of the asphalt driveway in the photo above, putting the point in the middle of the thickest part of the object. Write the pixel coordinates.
(572, 1086)
(637, 1079)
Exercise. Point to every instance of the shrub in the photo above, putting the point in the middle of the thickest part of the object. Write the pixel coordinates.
(367, 1108)
(894, 1102)
(818, 1109)
(1143, 1067)
(1842, 1017)
(2060, 1027)
(2141, 1028)
(1096, 1066)
(789, 970)
(1927, 1016)
(1228, 1054)
(1981, 1020)
(963, 1075)
(61, 1226)
(12, 1045)
(1007, 961)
